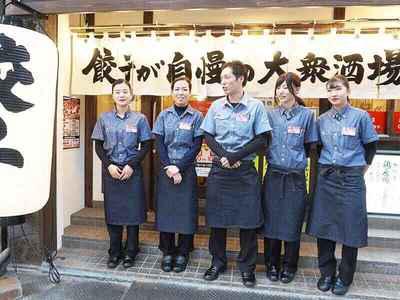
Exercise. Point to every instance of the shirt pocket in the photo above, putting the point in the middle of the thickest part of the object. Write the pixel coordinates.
(222, 123)
(110, 140)
(243, 126)
(350, 142)
(296, 140)
(184, 133)
(130, 139)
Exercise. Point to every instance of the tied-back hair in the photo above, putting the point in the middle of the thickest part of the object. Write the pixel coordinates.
(121, 81)
(292, 80)
(183, 78)
(331, 83)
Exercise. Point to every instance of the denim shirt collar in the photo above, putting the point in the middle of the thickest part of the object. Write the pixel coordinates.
(243, 101)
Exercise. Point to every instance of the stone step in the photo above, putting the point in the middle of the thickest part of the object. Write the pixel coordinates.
(378, 235)
(370, 259)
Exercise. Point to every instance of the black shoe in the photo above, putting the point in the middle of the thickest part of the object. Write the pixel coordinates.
(128, 261)
(167, 263)
(325, 283)
(339, 288)
(180, 263)
(113, 262)
(287, 276)
(249, 279)
(213, 272)
(272, 273)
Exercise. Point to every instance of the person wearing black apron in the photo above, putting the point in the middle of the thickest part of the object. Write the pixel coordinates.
(339, 215)
(122, 139)
(235, 128)
(284, 187)
(178, 140)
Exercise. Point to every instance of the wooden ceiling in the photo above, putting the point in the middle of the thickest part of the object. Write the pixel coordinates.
(74, 6)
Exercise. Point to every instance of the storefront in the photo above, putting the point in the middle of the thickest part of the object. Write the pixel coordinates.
(317, 42)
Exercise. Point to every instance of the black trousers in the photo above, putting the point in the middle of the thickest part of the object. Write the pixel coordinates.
(168, 247)
(247, 257)
(327, 261)
(132, 240)
(272, 254)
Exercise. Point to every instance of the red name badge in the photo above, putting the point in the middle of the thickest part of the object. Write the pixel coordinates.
(131, 128)
(350, 131)
(294, 129)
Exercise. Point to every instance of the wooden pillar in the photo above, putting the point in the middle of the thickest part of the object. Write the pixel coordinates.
(48, 214)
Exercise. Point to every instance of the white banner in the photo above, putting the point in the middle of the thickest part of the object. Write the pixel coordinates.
(28, 79)
(370, 62)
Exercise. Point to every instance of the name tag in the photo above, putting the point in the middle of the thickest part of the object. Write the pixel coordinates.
(185, 126)
(241, 117)
(131, 128)
(350, 131)
(294, 129)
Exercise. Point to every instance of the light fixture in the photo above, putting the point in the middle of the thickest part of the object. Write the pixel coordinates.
(288, 32)
(310, 33)
(333, 31)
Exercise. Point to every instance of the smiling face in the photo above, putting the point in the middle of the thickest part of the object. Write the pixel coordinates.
(285, 97)
(181, 93)
(230, 84)
(338, 94)
(122, 95)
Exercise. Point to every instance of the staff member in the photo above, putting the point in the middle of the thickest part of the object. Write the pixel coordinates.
(123, 137)
(339, 215)
(284, 188)
(178, 141)
(235, 127)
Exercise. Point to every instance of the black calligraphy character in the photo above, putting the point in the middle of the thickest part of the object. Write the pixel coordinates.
(352, 69)
(102, 66)
(274, 66)
(179, 67)
(214, 67)
(313, 67)
(127, 68)
(144, 72)
(390, 69)
(11, 72)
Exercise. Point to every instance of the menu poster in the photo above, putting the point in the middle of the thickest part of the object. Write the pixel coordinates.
(382, 180)
(71, 132)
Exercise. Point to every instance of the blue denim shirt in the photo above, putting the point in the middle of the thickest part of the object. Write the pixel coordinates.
(291, 129)
(342, 135)
(233, 127)
(178, 131)
(121, 136)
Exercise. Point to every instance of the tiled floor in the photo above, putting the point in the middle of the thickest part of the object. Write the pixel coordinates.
(92, 263)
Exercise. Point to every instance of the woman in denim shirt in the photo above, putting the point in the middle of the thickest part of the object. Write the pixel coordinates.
(348, 141)
(122, 139)
(178, 140)
(284, 189)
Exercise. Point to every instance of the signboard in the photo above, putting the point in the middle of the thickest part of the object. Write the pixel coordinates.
(382, 181)
(370, 62)
(28, 78)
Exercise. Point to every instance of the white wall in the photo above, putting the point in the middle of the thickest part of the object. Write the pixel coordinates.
(70, 167)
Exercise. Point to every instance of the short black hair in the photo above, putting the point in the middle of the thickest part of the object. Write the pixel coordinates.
(238, 69)
(179, 79)
(120, 81)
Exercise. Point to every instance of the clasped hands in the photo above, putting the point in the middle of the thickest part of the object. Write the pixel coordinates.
(174, 173)
(120, 173)
(225, 163)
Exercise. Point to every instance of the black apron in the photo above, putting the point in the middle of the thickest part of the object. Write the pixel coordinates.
(234, 197)
(177, 203)
(284, 203)
(124, 201)
(339, 211)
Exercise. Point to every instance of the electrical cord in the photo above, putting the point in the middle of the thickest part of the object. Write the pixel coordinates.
(53, 274)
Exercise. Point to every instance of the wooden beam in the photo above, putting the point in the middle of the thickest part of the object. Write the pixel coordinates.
(90, 122)
(48, 214)
(74, 6)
